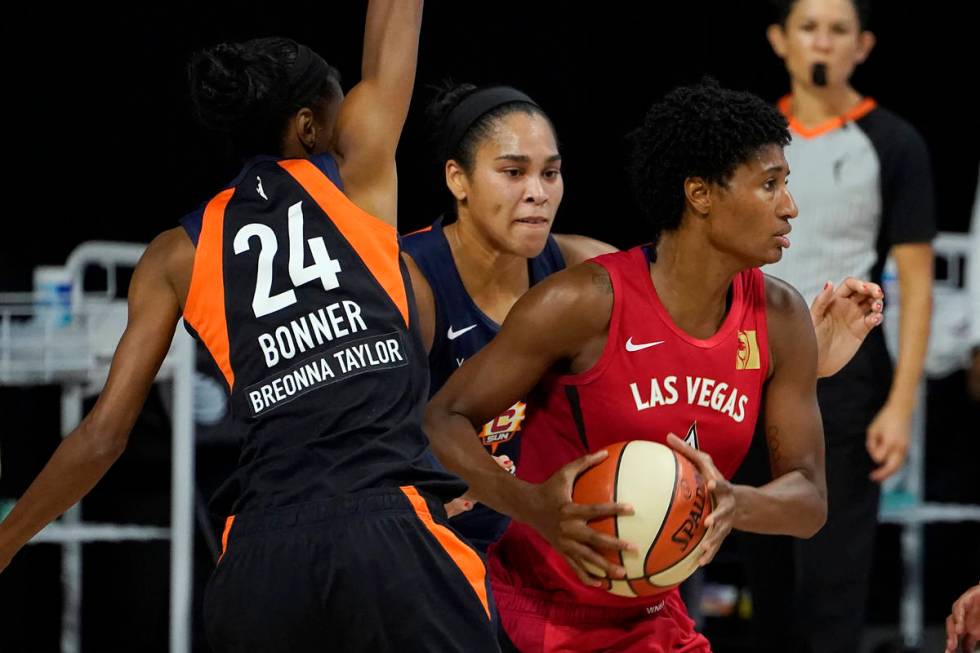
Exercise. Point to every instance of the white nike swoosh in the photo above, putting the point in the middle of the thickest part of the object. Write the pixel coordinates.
(452, 335)
(631, 347)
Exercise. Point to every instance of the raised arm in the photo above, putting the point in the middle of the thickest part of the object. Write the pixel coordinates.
(87, 452)
(373, 113)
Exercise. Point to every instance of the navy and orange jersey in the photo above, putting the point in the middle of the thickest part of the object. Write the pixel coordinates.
(303, 302)
(461, 330)
(651, 379)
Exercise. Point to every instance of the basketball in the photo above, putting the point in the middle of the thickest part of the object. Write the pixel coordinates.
(670, 500)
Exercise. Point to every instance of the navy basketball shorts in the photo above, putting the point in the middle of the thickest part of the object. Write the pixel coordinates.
(375, 571)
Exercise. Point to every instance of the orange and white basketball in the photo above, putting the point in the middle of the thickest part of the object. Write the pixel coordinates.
(670, 501)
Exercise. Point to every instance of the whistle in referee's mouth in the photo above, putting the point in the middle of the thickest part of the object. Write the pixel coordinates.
(819, 74)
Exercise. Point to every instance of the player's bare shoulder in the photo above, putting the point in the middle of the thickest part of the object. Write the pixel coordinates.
(577, 249)
(569, 309)
(783, 300)
(580, 293)
(788, 320)
(170, 256)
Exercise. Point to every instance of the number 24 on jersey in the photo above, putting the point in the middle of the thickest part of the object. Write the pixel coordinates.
(323, 267)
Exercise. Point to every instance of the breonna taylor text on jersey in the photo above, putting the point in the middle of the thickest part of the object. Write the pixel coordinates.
(303, 302)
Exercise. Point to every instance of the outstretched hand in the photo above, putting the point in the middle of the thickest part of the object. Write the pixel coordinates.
(842, 318)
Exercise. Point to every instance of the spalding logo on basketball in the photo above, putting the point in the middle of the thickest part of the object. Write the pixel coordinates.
(670, 501)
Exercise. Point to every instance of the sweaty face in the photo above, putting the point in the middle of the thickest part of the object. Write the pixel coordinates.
(822, 32)
(515, 186)
(750, 215)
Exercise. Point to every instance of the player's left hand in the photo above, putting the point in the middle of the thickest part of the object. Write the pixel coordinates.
(465, 503)
(963, 623)
(842, 318)
(458, 506)
(888, 440)
(722, 516)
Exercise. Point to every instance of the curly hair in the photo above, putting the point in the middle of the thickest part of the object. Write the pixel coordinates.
(696, 131)
(241, 90)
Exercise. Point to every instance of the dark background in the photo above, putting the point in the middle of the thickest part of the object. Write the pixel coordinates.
(104, 145)
(101, 144)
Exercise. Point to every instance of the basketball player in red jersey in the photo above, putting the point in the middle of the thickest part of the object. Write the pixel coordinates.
(686, 336)
(291, 278)
(502, 165)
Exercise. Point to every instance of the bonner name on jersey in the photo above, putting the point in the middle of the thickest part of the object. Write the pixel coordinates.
(317, 331)
(310, 331)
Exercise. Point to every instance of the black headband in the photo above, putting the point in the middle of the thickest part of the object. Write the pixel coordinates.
(307, 75)
(472, 108)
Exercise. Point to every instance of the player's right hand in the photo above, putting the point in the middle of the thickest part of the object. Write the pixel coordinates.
(722, 516)
(565, 523)
(963, 623)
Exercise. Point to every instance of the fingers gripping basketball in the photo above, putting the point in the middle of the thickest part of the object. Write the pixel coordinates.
(671, 502)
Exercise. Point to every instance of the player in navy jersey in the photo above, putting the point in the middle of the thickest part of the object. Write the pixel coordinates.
(502, 165)
(720, 189)
(503, 168)
(291, 277)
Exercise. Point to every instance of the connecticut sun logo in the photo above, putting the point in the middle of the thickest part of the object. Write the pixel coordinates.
(504, 427)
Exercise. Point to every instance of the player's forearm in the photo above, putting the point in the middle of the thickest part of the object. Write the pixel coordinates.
(391, 42)
(458, 448)
(789, 505)
(915, 314)
(75, 467)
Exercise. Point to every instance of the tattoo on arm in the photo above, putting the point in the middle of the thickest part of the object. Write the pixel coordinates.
(775, 457)
(601, 281)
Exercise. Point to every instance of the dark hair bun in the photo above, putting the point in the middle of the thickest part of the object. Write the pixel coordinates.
(448, 95)
(229, 84)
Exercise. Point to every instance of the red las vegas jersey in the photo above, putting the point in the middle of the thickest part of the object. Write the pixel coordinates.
(652, 379)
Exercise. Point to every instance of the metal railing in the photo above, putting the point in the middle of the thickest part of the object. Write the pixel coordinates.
(68, 338)
(903, 499)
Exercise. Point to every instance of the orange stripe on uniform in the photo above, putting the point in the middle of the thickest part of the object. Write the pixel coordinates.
(465, 558)
(224, 536)
(863, 108)
(205, 307)
(375, 241)
(419, 231)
